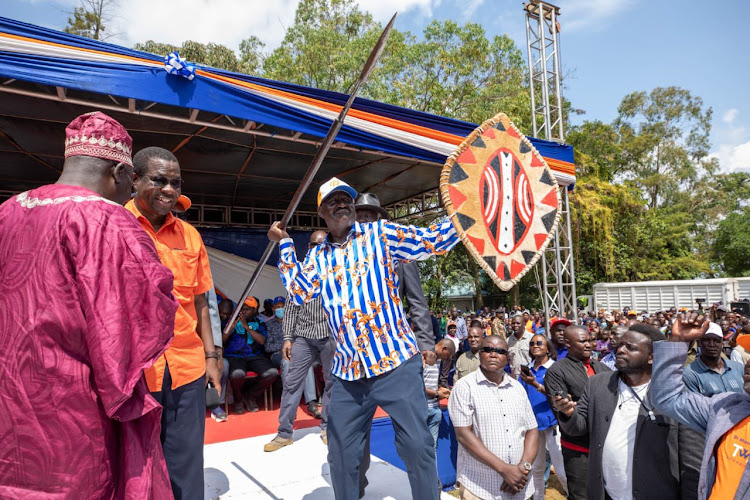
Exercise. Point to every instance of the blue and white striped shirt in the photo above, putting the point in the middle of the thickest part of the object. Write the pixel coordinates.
(359, 286)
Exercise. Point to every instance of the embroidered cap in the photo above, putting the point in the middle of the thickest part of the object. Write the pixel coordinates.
(98, 135)
(331, 186)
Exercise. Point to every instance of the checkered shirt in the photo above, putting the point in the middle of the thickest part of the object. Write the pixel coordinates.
(499, 416)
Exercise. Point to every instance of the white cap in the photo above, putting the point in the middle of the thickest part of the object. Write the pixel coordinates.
(714, 329)
(331, 186)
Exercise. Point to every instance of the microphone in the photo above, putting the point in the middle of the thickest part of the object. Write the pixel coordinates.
(212, 397)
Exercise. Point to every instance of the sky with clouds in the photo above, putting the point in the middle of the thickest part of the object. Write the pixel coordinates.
(609, 47)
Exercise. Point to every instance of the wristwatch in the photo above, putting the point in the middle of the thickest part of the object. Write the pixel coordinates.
(213, 354)
(526, 465)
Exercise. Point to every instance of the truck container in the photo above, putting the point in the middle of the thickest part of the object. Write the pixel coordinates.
(655, 296)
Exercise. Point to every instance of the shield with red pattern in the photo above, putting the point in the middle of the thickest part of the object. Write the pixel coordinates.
(502, 199)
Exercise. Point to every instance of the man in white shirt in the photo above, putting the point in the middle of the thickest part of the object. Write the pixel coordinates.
(633, 449)
(495, 429)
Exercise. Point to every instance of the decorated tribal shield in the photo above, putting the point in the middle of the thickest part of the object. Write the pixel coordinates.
(502, 199)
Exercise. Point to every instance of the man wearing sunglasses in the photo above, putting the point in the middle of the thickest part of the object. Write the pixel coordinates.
(495, 429)
(178, 378)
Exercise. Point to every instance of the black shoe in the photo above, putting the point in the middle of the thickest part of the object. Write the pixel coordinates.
(312, 408)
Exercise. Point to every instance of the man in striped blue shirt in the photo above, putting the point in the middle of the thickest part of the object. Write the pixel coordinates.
(354, 271)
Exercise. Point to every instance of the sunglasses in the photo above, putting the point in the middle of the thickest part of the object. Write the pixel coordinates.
(496, 350)
(539, 343)
(160, 182)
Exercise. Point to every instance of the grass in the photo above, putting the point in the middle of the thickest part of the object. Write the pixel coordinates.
(554, 490)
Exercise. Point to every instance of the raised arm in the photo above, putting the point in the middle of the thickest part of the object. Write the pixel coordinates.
(418, 243)
(301, 280)
(667, 387)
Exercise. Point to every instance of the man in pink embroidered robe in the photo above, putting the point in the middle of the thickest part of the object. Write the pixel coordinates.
(85, 306)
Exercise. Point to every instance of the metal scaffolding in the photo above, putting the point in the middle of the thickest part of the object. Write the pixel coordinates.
(545, 77)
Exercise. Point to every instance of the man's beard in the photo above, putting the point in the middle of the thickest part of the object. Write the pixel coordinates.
(631, 370)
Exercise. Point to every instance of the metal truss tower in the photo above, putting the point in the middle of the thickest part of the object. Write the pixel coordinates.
(558, 287)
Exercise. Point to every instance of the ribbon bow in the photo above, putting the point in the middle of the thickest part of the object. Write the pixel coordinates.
(176, 65)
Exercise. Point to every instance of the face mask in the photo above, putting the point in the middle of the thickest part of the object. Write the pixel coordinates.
(279, 312)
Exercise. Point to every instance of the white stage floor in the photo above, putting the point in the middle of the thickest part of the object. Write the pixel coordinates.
(241, 469)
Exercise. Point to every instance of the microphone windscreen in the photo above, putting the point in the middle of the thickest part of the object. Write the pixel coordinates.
(212, 398)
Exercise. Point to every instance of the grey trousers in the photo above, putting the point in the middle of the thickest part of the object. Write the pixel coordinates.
(304, 353)
(309, 386)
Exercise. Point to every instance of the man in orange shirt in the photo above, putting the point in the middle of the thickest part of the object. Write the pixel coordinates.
(178, 378)
(724, 418)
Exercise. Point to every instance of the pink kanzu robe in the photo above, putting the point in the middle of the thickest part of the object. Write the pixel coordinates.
(85, 306)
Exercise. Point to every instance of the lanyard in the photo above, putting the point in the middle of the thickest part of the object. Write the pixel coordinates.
(638, 398)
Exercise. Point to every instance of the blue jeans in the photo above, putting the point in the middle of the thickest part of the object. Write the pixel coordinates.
(434, 417)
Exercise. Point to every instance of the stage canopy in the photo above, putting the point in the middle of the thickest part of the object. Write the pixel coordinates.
(241, 141)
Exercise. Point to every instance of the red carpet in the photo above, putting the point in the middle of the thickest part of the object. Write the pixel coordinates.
(257, 424)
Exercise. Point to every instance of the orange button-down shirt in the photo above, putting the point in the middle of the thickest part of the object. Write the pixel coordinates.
(181, 249)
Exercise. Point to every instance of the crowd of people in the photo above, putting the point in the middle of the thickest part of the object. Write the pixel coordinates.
(105, 386)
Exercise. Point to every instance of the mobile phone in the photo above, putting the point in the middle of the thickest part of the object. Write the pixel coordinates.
(525, 370)
(560, 393)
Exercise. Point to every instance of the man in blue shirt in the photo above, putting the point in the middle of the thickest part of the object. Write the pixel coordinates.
(710, 373)
(377, 360)
(243, 348)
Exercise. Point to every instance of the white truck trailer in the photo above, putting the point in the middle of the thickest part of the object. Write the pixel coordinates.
(743, 288)
(654, 296)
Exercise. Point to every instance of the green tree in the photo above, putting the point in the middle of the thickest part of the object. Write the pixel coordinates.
(665, 141)
(731, 246)
(458, 72)
(92, 19)
(326, 46)
(212, 54)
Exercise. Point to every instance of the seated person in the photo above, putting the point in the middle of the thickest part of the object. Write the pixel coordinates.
(275, 334)
(243, 348)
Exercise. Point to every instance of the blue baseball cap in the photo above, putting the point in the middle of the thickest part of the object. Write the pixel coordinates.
(279, 300)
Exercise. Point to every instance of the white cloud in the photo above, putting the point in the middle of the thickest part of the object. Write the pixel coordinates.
(471, 7)
(383, 10)
(733, 151)
(590, 14)
(225, 22)
(733, 158)
(730, 116)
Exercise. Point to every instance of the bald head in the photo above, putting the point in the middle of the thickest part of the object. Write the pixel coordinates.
(578, 342)
(317, 238)
(445, 349)
(494, 341)
(108, 178)
(225, 309)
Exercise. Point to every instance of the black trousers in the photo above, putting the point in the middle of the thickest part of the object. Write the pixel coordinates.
(577, 470)
(237, 375)
(183, 423)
